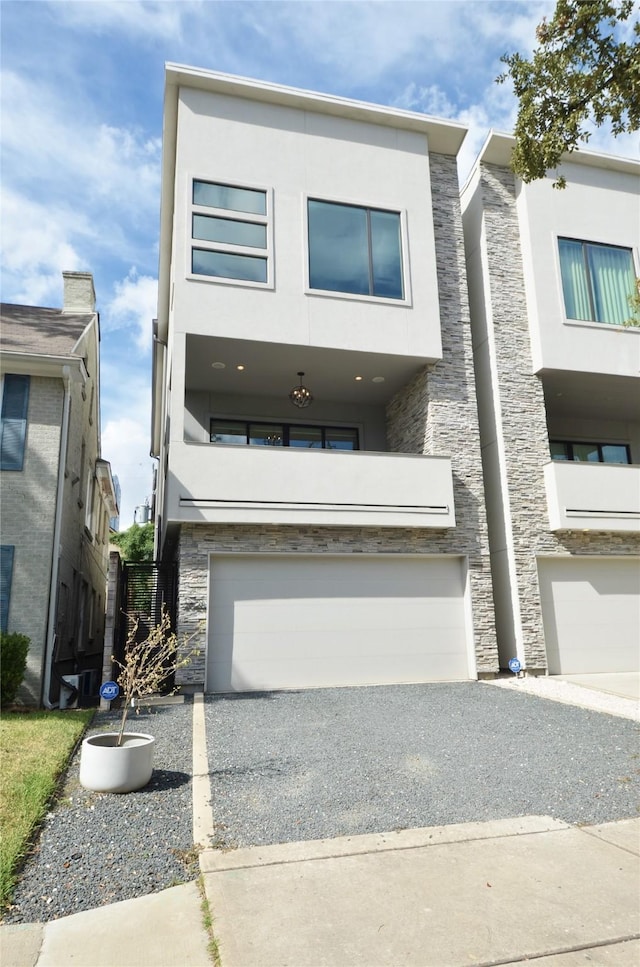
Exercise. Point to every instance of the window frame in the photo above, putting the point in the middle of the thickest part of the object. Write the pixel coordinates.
(585, 243)
(286, 427)
(230, 248)
(406, 300)
(570, 444)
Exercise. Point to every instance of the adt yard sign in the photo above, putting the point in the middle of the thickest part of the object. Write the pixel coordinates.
(514, 665)
(109, 691)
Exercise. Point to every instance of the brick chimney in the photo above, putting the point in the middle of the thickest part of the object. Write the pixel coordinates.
(79, 294)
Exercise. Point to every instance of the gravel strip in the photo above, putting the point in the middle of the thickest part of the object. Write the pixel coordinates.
(560, 691)
(96, 848)
(289, 766)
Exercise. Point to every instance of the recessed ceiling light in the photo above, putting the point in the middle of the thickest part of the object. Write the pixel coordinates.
(240, 367)
(358, 379)
(218, 365)
(378, 379)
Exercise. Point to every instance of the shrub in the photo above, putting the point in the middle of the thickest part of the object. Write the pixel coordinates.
(13, 661)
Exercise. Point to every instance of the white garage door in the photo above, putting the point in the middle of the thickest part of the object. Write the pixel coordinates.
(591, 614)
(298, 621)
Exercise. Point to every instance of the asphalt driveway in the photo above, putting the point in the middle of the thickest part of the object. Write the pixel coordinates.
(287, 766)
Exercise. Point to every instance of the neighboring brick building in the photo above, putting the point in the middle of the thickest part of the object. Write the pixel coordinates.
(56, 491)
(558, 382)
(342, 542)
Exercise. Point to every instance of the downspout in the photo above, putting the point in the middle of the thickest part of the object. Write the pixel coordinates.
(53, 588)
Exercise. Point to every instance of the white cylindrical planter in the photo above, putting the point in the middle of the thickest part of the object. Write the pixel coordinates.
(107, 767)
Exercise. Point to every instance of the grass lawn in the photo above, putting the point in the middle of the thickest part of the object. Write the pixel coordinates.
(34, 750)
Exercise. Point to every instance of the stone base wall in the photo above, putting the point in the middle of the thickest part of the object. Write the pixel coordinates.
(199, 541)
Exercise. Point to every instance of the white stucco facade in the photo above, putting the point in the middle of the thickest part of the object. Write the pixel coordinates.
(393, 372)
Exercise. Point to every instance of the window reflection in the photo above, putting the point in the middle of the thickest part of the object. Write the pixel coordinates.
(354, 250)
(255, 433)
(225, 265)
(214, 195)
(212, 229)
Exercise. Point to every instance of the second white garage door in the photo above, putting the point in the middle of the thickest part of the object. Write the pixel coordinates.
(296, 621)
(591, 614)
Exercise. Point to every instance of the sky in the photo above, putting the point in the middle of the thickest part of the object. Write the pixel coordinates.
(82, 85)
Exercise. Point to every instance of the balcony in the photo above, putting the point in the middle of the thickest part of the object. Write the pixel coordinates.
(265, 485)
(593, 496)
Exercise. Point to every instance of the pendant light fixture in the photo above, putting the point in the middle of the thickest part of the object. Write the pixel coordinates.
(300, 396)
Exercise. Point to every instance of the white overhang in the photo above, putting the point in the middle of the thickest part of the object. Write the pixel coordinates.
(498, 148)
(40, 364)
(107, 488)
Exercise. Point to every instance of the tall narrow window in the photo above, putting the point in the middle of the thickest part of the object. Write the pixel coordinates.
(355, 250)
(6, 577)
(13, 425)
(597, 281)
(230, 232)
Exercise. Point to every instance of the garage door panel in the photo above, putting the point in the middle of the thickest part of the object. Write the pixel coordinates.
(591, 614)
(354, 615)
(278, 622)
(242, 675)
(292, 587)
(272, 645)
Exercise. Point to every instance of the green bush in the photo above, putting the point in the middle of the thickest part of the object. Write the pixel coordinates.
(13, 661)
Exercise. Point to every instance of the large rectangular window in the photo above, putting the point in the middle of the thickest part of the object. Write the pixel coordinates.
(231, 227)
(597, 281)
(257, 434)
(590, 452)
(355, 250)
(13, 422)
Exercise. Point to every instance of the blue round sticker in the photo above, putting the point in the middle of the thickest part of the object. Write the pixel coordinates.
(109, 691)
(514, 665)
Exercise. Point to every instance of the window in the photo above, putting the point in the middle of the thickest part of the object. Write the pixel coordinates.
(590, 452)
(355, 250)
(89, 501)
(229, 230)
(6, 577)
(597, 281)
(251, 433)
(13, 424)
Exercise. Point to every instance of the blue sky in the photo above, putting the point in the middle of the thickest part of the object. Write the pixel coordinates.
(82, 89)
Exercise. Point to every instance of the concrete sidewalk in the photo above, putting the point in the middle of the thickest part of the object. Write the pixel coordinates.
(475, 894)
(158, 930)
(470, 895)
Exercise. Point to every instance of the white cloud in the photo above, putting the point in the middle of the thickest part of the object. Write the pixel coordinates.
(125, 433)
(110, 174)
(39, 241)
(148, 19)
(134, 305)
(495, 108)
(125, 444)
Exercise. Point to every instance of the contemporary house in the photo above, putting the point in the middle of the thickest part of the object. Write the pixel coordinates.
(56, 492)
(551, 273)
(314, 409)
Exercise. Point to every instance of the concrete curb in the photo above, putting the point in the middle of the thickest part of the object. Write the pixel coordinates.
(217, 861)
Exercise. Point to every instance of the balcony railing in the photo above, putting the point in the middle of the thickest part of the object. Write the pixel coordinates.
(277, 485)
(593, 496)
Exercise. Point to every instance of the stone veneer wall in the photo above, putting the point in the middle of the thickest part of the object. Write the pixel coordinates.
(435, 414)
(524, 421)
